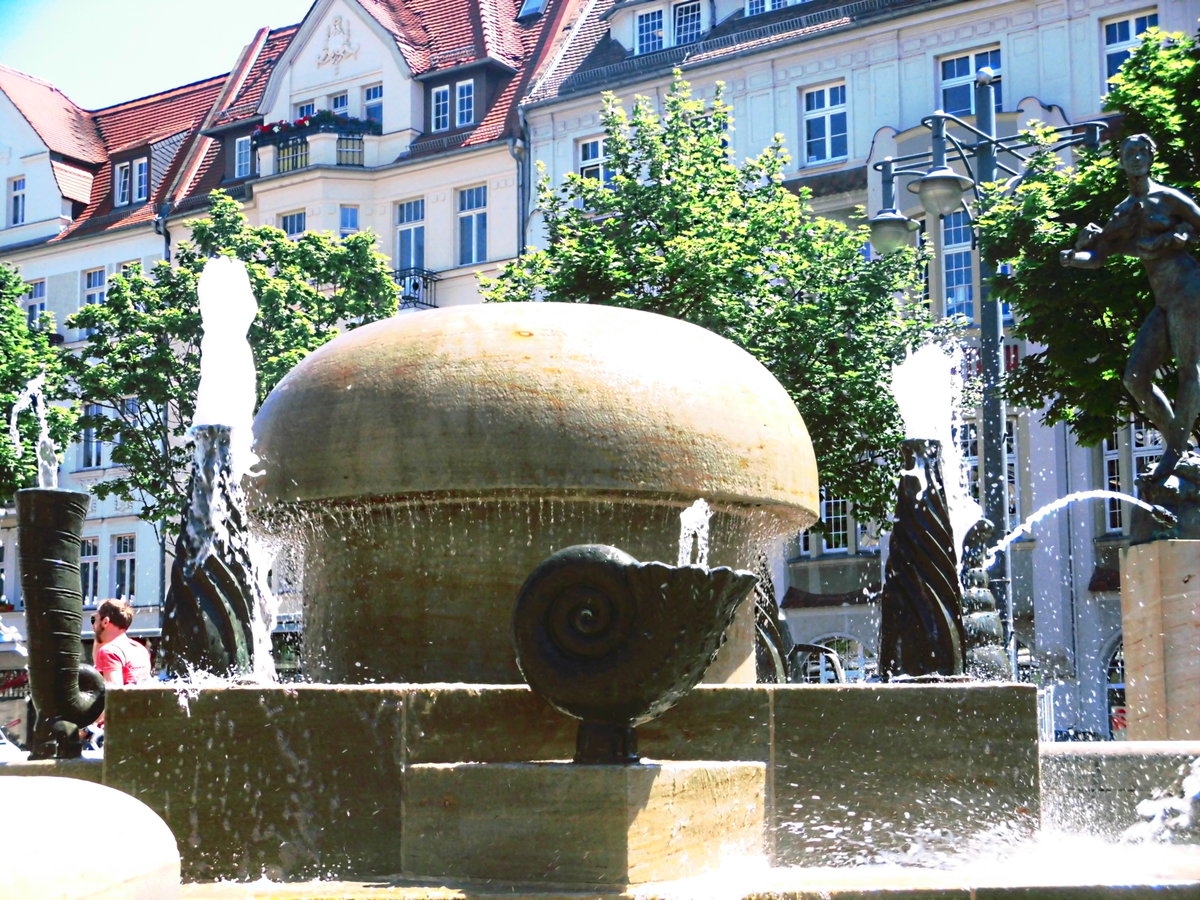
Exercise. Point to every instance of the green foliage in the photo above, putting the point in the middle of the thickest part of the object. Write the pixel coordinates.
(25, 353)
(1086, 320)
(681, 228)
(145, 339)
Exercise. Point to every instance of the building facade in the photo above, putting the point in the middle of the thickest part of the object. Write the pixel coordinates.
(422, 121)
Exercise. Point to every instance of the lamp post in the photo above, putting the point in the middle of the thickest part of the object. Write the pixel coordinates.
(942, 190)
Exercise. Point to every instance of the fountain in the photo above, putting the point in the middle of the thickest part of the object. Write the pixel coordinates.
(433, 465)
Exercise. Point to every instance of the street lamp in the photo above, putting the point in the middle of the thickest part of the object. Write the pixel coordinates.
(942, 191)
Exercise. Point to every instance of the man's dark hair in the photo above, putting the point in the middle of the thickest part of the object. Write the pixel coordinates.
(119, 612)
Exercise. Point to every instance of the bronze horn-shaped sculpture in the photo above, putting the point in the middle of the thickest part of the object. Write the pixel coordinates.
(66, 695)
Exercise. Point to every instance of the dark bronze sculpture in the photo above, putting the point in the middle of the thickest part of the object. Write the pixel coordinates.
(986, 658)
(66, 695)
(211, 601)
(1158, 225)
(616, 642)
(921, 629)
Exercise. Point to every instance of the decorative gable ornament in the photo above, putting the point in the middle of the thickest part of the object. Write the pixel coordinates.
(338, 46)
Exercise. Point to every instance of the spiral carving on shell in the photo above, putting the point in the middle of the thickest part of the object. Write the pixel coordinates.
(606, 638)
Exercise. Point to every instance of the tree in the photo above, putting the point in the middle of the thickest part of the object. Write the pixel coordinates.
(675, 225)
(138, 373)
(1086, 320)
(25, 353)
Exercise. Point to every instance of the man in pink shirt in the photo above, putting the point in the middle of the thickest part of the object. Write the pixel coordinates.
(118, 657)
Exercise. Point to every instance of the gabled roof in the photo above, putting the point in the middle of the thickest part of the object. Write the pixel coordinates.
(141, 122)
(63, 127)
(252, 72)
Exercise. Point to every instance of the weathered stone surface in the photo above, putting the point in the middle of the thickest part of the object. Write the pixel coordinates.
(602, 424)
(1160, 622)
(866, 768)
(283, 781)
(581, 824)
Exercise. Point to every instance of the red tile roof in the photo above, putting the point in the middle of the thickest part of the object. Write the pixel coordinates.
(244, 103)
(138, 123)
(65, 128)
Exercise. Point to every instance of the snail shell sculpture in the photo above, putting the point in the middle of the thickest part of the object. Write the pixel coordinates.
(616, 642)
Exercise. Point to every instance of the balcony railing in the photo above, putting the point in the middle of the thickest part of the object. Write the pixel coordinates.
(291, 154)
(416, 288)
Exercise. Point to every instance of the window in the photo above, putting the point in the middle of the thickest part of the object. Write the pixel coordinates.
(373, 103)
(531, 8)
(825, 124)
(292, 224)
(857, 659)
(440, 116)
(347, 220)
(124, 566)
(958, 80)
(968, 443)
(755, 7)
(1120, 38)
(35, 303)
(141, 180)
(307, 108)
(835, 515)
(94, 283)
(956, 265)
(464, 103)
(593, 160)
(1113, 514)
(1117, 721)
(472, 225)
(649, 31)
(89, 570)
(90, 446)
(16, 201)
(339, 103)
(242, 157)
(122, 186)
(687, 22)
(410, 234)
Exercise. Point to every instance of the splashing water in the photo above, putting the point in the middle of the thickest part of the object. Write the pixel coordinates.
(928, 388)
(1026, 527)
(13, 635)
(33, 397)
(693, 530)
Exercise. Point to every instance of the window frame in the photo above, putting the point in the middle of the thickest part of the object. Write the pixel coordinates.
(953, 255)
(827, 114)
(290, 218)
(303, 109)
(472, 225)
(758, 7)
(1109, 50)
(140, 179)
(464, 104)
(124, 567)
(91, 448)
(409, 222)
(34, 301)
(676, 10)
(373, 102)
(584, 164)
(243, 167)
(344, 229)
(17, 212)
(342, 108)
(439, 108)
(122, 183)
(974, 64)
(642, 41)
(89, 570)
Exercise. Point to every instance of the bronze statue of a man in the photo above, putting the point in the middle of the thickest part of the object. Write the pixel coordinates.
(1158, 225)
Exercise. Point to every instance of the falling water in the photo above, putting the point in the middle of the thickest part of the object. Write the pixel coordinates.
(226, 396)
(1026, 527)
(34, 398)
(693, 530)
(927, 386)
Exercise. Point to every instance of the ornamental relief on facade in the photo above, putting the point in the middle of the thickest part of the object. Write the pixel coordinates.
(338, 46)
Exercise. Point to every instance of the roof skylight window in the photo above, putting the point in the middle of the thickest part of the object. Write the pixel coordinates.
(531, 8)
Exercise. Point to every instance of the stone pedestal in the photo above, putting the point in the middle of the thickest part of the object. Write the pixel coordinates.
(1160, 612)
(581, 825)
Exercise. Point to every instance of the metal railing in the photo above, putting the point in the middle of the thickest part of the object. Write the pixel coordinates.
(292, 154)
(417, 287)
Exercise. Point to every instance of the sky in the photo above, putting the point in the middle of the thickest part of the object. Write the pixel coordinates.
(101, 52)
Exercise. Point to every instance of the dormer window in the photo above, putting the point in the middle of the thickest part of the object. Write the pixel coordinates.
(687, 22)
(131, 182)
(242, 157)
(464, 93)
(439, 115)
(755, 7)
(650, 31)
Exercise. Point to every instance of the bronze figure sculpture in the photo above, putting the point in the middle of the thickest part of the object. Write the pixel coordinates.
(1159, 225)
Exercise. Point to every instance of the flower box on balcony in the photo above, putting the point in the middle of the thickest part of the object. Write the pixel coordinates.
(319, 122)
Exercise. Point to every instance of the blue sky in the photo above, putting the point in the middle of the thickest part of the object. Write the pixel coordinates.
(101, 52)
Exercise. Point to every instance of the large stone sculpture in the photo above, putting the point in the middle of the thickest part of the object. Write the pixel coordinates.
(1158, 225)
